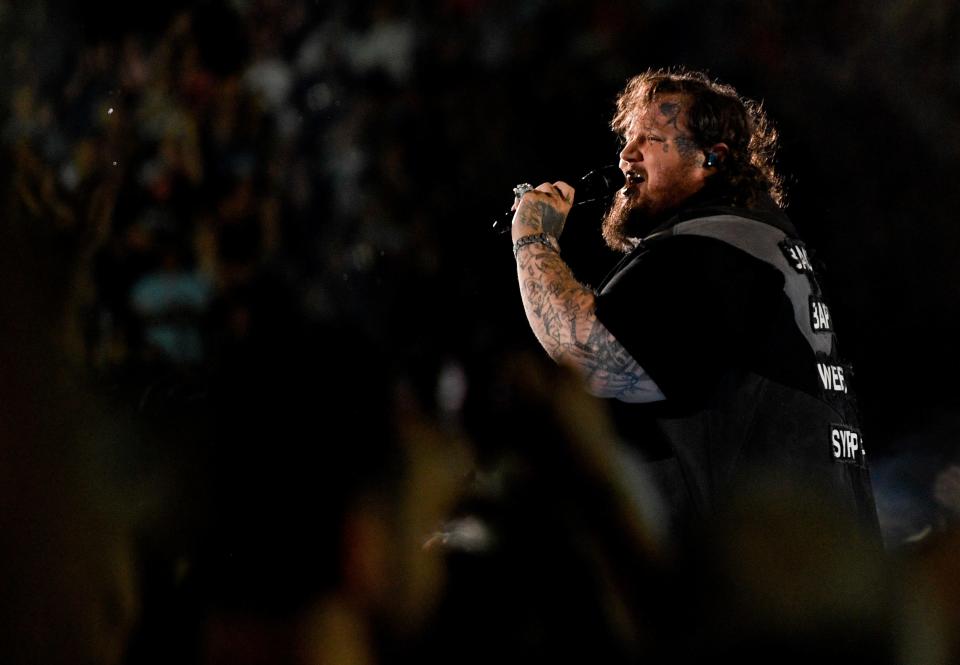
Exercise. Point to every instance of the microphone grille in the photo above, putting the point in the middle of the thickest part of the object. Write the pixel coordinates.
(603, 181)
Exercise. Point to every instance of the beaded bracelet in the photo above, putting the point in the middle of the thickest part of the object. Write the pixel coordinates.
(539, 238)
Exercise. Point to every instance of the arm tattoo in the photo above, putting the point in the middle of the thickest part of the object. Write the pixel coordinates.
(561, 314)
(612, 371)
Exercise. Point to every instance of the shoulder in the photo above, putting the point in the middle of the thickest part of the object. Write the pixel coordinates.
(688, 256)
(770, 217)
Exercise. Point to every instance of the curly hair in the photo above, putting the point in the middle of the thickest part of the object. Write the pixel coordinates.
(716, 114)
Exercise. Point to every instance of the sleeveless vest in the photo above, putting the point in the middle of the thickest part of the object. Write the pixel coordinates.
(760, 424)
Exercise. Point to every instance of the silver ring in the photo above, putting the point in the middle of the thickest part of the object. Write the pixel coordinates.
(522, 189)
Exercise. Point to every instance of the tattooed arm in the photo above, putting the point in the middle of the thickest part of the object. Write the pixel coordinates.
(561, 311)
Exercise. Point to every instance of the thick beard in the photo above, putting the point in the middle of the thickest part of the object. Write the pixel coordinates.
(626, 220)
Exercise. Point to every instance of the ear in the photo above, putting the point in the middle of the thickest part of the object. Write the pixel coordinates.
(716, 155)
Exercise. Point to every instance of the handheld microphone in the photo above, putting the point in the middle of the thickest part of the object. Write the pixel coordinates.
(596, 185)
(600, 184)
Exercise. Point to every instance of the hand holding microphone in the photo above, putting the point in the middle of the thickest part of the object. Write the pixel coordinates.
(542, 211)
(594, 186)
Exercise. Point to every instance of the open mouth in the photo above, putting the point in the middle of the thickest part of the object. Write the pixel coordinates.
(633, 180)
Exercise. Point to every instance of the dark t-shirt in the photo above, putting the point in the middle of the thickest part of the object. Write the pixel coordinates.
(693, 308)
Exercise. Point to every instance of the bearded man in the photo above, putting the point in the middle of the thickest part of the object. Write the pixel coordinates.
(714, 322)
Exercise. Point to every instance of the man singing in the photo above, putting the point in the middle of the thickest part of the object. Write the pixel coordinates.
(714, 321)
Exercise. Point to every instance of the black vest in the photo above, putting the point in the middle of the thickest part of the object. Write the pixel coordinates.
(752, 425)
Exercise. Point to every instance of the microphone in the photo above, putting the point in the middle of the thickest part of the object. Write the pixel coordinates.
(596, 185)
(599, 184)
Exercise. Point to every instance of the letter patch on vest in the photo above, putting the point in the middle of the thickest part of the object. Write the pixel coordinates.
(832, 378)
(846, 444)
(820, 319)
(796, 254)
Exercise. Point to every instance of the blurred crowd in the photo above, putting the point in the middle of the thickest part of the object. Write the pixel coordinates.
(264, 232)
(294, 145)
